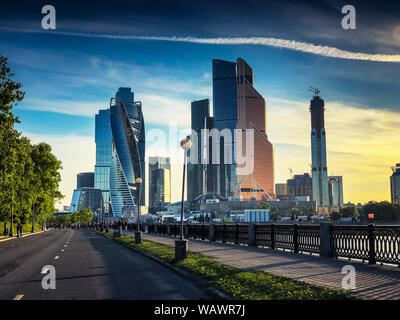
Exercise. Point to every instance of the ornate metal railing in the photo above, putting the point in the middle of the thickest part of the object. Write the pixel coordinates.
(374, 244)
(308, 238)
(387, 244)
(199, 231)
(350, 242)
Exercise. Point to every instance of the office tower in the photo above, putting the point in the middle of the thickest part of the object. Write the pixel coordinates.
(318, 152)
(335, 185)
(197, 169)
(238, 105)
(300, 186)
(281, 191)
(127, 154)
(159, 181)
(103, 141)
(85, 179)
(258, 184)
(395, 184)
(87, 198)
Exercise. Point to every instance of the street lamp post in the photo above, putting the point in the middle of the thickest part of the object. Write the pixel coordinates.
(181, 245)
(138, 233)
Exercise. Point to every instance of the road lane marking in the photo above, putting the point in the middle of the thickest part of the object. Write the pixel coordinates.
(62, 250)
(56, 257)
(18, 297)
(65, 246)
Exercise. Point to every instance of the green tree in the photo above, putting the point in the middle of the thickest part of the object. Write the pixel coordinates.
(383, 211)
(349, 212)
(29, 175)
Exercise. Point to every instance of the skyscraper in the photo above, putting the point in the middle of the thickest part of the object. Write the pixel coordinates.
(395, 184)
(197, 171)
(238, 105)
(159, 181)
(335, 185)
(85, 180)
(318, 152)
(127, 154)
(103, 141)
(251, 107)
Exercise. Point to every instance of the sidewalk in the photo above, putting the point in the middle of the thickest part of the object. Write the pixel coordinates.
(26, 234)
(372, 281)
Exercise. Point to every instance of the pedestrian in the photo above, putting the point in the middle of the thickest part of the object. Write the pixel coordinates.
(5, 229)
(18, 228)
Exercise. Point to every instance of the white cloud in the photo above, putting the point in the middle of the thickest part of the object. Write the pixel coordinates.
(263, 41)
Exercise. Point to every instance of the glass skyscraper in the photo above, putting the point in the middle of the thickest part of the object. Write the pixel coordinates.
(197, 171)
(238, 105)
(103, 157)
(395, 184)
(159, 181)
(127, 153)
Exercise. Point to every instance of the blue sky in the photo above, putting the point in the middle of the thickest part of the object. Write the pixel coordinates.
(69, 77)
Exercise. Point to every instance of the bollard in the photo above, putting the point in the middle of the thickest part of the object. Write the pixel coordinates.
(212, 234)
(326, 249)
(252, 235)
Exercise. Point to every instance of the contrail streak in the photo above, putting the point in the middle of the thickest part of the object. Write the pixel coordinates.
(261, 41)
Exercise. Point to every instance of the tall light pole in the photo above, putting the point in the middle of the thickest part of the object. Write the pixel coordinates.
(138, 233)
(181, 245)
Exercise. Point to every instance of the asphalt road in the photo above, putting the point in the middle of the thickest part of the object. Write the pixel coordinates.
(88, 266)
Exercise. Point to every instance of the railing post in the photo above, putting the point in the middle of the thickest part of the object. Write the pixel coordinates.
(252, 235)
(186, 230)
(203, 236)
(295, 238)
(273, 236)
(168, 229)
(155, 228)
(371, 238)
(224, 233)
(212, 233)
(237, 233)
(325, 243)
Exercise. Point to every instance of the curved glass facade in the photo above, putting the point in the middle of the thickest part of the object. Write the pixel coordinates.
(127, 154)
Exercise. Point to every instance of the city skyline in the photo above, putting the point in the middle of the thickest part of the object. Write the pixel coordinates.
(78, 74)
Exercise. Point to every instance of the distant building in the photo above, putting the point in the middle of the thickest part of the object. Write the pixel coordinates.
(281, 191)
(320, 190)
(159, 181)
(85, 180)
(127, 153)
(103, 141)
(300, 186)
(395, 184)
(237, 105)
(197, 168)
(335, 186)
(87, 198)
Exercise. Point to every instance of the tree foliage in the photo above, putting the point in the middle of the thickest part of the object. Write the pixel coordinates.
(29, 174)
(383, 211)
(82, 216)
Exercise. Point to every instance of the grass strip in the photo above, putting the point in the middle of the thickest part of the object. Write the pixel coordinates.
(246, 285)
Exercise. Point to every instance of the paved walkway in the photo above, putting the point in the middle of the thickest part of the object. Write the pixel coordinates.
(372, 281)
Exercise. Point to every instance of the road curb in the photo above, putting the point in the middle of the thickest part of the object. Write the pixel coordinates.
(24, 235)
(212, 292)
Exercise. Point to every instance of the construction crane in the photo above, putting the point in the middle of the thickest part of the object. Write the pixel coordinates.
(315, 90)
